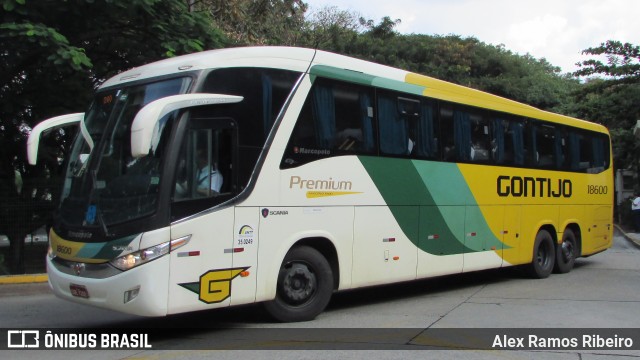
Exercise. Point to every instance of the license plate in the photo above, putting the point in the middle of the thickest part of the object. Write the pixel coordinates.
(79, 291)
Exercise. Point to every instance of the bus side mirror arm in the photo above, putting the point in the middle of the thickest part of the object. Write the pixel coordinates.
(145, 129)
(34, 137)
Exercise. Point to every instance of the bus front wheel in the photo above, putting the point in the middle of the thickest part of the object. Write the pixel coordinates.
(304, 288)
(566, 252)
(544, 256)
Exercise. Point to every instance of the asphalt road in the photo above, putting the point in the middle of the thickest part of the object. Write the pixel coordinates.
(602, 291)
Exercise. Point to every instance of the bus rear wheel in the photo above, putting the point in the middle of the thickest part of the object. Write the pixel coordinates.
(566, 252)
(304, 288)
(544, 256)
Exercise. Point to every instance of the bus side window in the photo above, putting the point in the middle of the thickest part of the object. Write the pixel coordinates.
(424, 132)
(394, 124)
(480, 138)
(516, 139)
(204, 165)
(446, 128)
(336, 119)
(406, 126)
(588, 152)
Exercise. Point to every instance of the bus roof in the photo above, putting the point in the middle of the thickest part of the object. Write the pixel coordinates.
(345, 68)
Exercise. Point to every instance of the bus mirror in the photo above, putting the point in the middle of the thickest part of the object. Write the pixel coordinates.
(145, 130)
(34, 138)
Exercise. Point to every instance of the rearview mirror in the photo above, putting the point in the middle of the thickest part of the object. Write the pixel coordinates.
(145, 130)
(34, 138)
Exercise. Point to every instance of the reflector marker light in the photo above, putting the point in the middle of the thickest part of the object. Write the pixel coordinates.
(189, 253)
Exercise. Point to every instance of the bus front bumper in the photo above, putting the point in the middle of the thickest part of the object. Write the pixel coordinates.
(142, 290)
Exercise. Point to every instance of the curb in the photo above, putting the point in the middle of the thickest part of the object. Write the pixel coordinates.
(628, 237)
(23, 279)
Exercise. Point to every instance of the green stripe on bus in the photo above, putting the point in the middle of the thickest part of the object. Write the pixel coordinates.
(364, 79)
(112, 249)
(439, 194)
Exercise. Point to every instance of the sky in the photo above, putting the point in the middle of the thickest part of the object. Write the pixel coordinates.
(557, 30)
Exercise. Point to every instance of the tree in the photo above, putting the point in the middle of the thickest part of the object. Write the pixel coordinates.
(465, 61)
(330, 28)
(256, 22)
(623, 62)
(53, 55)
(611, 96)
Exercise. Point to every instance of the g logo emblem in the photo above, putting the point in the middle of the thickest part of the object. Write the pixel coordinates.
(215, 285)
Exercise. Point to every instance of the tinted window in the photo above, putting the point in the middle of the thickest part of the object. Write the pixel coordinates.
(336, 119)
(341, 119)
(407, 126)
(264, 93)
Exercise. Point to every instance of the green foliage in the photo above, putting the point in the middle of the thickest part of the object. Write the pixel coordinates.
(465, 61)
(53, 54)
(623, 61)
(32, 36)
(256, 22)
(330, 28)
(612, 98)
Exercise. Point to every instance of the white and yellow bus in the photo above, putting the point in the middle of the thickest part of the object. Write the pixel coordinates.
(281, 175)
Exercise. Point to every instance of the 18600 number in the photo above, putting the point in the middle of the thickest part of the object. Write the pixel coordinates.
(597, 189)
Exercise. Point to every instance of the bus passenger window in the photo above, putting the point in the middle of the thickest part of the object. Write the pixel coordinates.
(481, 145)
(424, 131)
(336, 119)
(394, 127)
(447, 129)
(544, 145)
(516, 141)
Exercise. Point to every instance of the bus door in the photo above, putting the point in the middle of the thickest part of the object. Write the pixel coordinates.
(202, 269)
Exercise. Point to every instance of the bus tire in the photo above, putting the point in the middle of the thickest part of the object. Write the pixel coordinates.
(566, 252)
(304, 288)
(544, 256)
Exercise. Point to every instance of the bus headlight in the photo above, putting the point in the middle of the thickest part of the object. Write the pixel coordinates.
(50, 252)
(129, 261)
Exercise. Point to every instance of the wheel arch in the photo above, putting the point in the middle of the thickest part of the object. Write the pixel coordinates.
(577, 232)
(325, 247)
(552, 231)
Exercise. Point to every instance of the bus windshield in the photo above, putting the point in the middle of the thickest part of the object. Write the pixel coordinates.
(104, 184)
